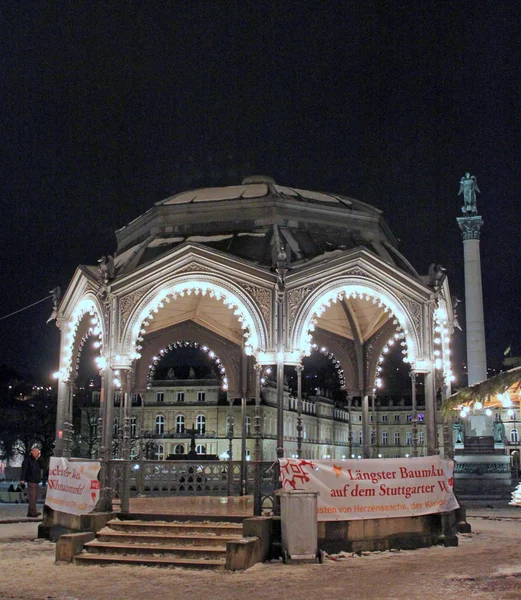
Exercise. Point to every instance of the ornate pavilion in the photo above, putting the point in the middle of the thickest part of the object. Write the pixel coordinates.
(262, 275)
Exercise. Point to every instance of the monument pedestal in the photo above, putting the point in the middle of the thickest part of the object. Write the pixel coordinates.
(479, 474)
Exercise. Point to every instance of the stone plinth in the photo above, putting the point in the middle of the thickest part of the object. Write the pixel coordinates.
(482, 477)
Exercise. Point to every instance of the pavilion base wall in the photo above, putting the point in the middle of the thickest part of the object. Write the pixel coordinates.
(56, 523)
(386, 534)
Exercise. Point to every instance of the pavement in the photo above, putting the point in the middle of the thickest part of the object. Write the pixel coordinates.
(17, 513)
(486, 565)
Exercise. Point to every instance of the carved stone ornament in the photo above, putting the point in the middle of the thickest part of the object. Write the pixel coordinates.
(192, 267)
(355, 271)
(470, 227)
(128, 302)
(296, 297)
(415, 311)
(262, 297)
(481, 468)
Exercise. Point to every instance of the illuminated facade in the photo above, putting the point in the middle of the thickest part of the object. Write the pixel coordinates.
(160, 418)
(262, 275)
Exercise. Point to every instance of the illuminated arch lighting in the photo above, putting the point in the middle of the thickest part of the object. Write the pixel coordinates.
(98, 344)
(265, 371)
(336, 363)
(359, 291)
(85, 306)
(442, 345)
(183, 344)
(251, 344)
(399, 335)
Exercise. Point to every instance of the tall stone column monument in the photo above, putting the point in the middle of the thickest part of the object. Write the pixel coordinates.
(482, 470)
(470, 225)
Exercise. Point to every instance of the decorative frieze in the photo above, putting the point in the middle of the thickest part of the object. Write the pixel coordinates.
(477, 468)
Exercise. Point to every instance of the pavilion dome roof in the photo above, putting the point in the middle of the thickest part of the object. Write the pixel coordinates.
(245, 220)
(261, 186)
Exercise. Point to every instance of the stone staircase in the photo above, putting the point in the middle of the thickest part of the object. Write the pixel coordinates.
(188, 544)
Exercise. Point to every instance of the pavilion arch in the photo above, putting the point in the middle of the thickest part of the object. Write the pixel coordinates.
(178, 345)
(325, 295)
(335, 362)
(248, 314)
(75, 329)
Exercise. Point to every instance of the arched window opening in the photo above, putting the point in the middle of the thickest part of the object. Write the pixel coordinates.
(180, 424)
(200, 424)
(160, 425)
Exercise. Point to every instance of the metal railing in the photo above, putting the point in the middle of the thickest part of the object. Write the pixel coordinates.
(155, 478)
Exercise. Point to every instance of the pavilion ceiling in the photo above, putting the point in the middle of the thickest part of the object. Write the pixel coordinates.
(203, 310)
(353, 318)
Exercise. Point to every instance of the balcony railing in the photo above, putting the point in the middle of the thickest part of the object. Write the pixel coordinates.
(173, 434)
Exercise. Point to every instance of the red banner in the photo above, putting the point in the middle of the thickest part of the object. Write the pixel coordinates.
(373, 488)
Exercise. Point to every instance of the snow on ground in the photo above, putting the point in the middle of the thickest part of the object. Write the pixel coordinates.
(486, 565)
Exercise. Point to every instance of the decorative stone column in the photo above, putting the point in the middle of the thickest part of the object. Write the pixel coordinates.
(414, 448)
(448, 424)
(105, 498)
(68, 428)
(126, 406)
(61, 417)
(257, 417)
(244, 385)
(282, 269)
(475, 323)
(350, 423)
(107, 392)
(374, 428)
(479, 472)
(430, 410)
(230, 444)
(470, 226)
(299, 369)
(365, 426)
(257, 505)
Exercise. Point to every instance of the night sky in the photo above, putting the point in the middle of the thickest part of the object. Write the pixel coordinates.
(108, 107)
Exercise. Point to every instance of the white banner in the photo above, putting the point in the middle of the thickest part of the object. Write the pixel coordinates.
(373, 488)
(72, 487)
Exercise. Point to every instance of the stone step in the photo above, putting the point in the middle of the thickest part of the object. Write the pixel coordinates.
(185, 528)
(108, 535)
(196, 545)
(157, 550)
(165, 561)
